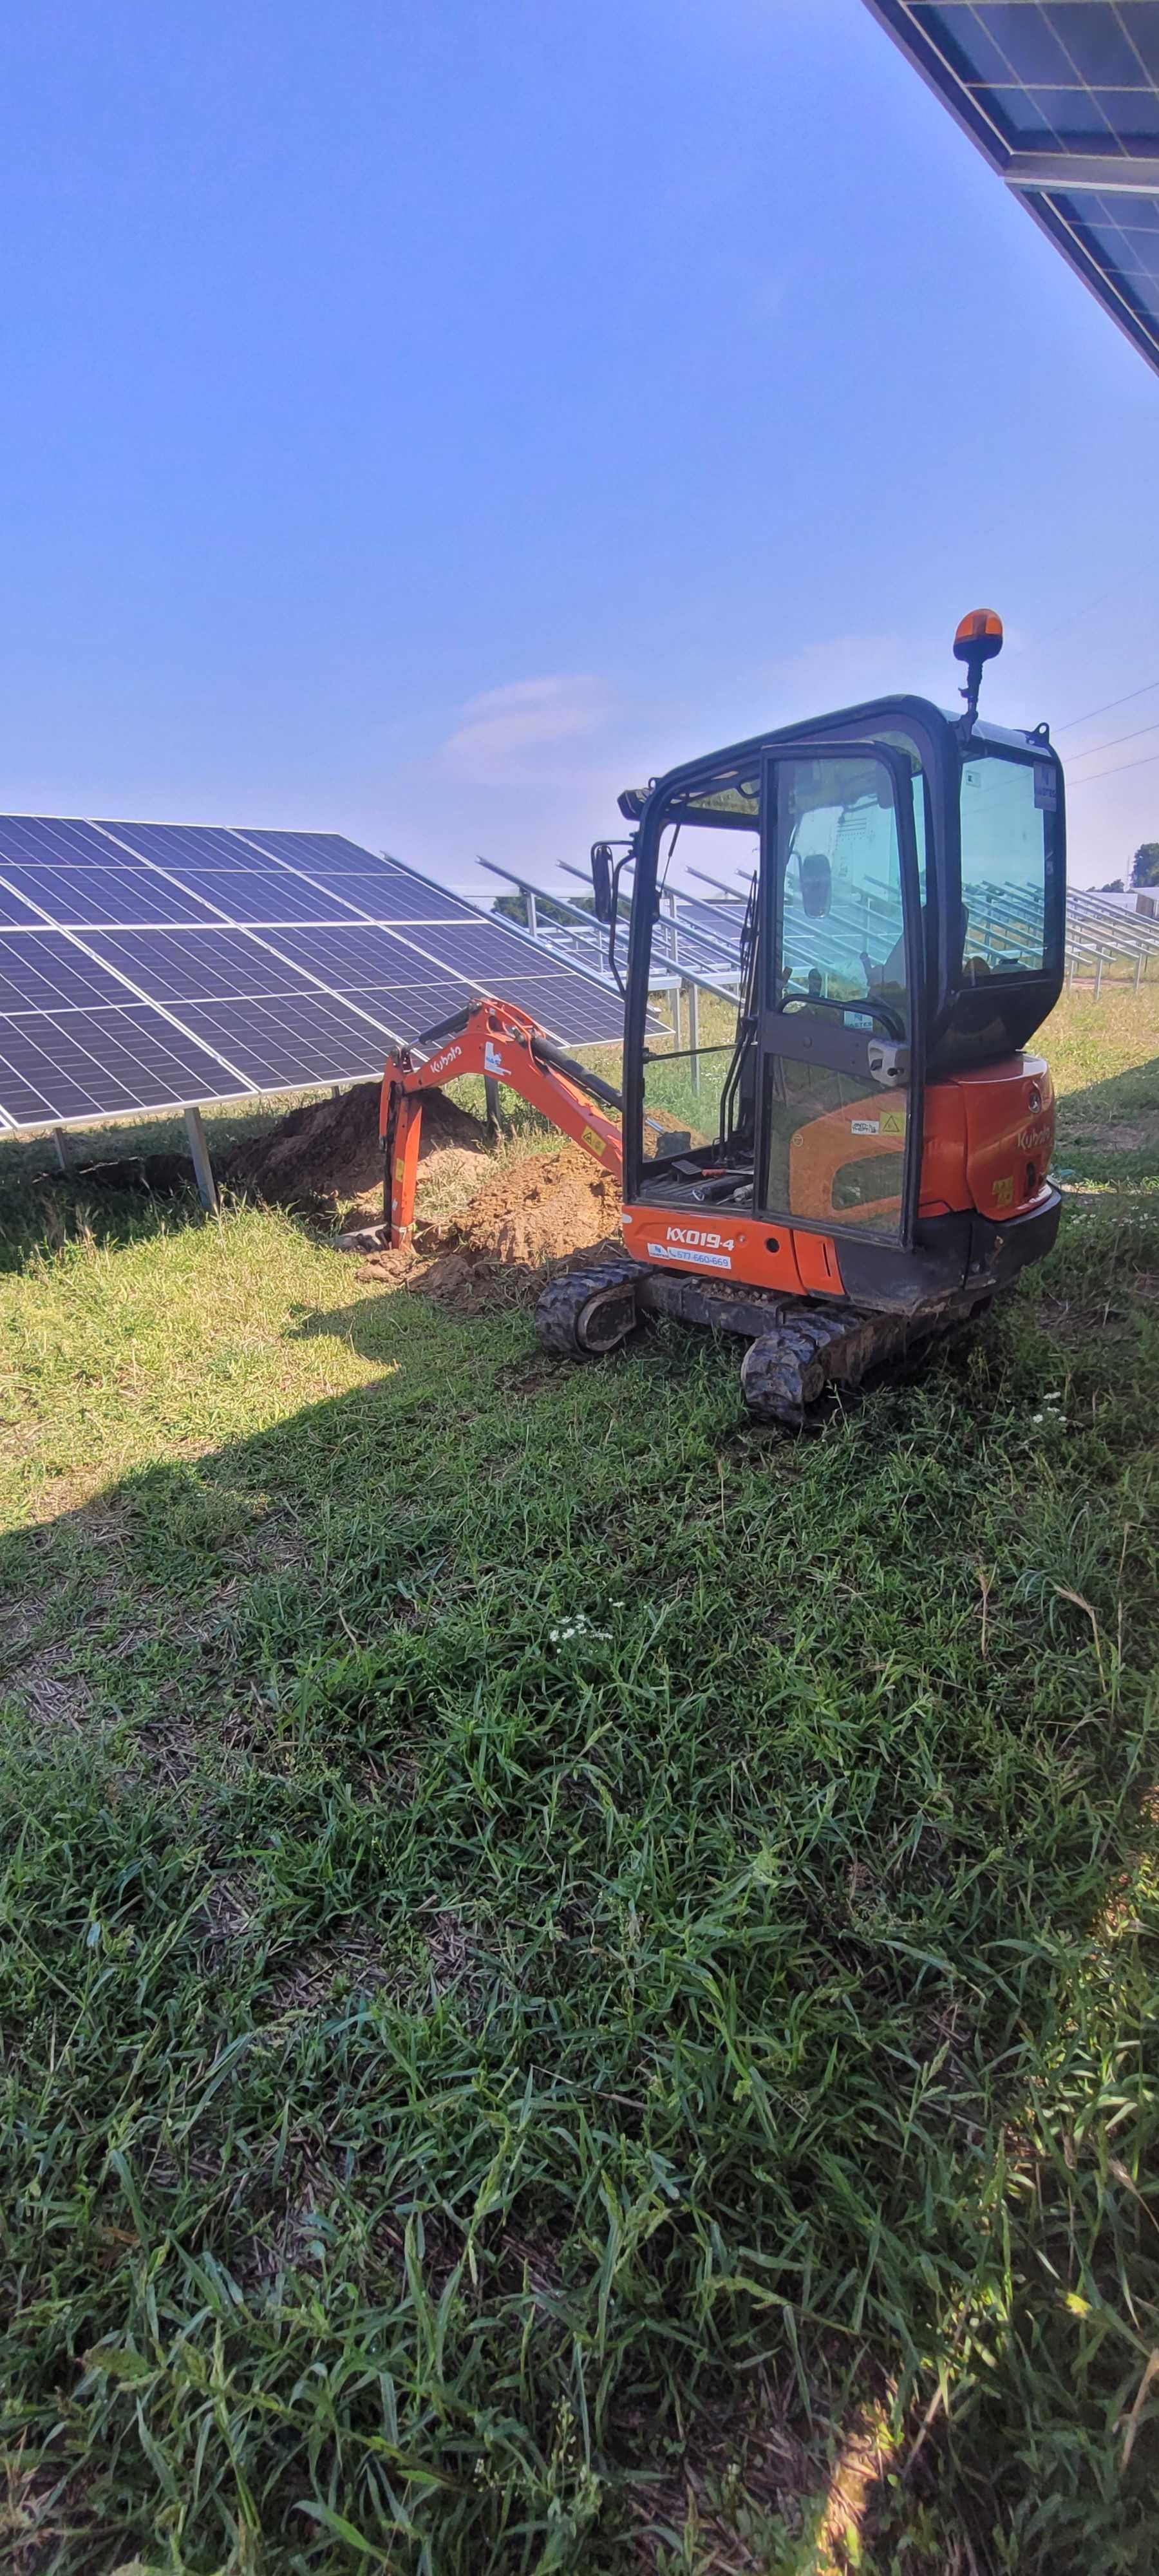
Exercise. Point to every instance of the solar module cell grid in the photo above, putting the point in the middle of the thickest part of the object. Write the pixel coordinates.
(357, 957)
(97, 1064)
(182, 845)
(319, 852)
(241, 961)
(1042, 86)
(546, 998)
(253, 894)
(382, 896)
(14, 910)
(77, 896)
(177, 966)
(39, 840)
(43, 971)
(287, 1042)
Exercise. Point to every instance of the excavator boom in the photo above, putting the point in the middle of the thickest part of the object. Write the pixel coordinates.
(503, 1044)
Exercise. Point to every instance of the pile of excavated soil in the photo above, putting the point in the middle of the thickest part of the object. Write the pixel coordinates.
(537, 1214)
(329, 1152)
(539, 1209)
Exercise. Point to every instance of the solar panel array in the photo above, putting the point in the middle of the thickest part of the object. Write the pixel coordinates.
(1062, 96)
(144, 965)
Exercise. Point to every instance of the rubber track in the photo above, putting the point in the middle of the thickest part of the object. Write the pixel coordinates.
(785, 1371)
(561, 1304)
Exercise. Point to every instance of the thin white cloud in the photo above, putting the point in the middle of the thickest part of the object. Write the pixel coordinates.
(503, 734)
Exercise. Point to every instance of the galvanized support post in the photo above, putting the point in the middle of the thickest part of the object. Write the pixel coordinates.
(1140, 963)
(693, 999)
(491, 1096)
(60, 1142)
(676, 1020)
(532, 914)
(202, 1166)
(1098, 974)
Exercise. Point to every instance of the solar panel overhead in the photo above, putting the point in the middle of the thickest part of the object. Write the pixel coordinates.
(144, 965)
(1062, 96)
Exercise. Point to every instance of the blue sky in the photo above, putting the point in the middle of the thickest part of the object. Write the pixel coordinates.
(422, 418)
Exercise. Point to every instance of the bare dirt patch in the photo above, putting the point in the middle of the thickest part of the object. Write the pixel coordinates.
(536, 1213)
(328, 1154)
(1114, 1138)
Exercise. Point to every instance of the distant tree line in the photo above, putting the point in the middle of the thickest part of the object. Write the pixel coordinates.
(1144, 870)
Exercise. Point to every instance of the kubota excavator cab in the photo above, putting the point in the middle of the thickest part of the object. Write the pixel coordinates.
(847, 1150)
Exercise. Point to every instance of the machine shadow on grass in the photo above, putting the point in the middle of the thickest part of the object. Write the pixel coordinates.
(627, 1929)
(1114, 1126)
(49, 1210)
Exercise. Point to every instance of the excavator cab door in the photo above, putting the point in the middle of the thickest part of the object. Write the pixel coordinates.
(838, 1142)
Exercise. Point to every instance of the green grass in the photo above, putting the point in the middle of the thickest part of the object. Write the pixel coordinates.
(569, 1964)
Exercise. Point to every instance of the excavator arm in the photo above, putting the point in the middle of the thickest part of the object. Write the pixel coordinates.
(506, 1045)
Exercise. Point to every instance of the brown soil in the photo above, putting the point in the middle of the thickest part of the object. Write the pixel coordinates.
(540, 1208)
(329, 1153)
(539, 1212)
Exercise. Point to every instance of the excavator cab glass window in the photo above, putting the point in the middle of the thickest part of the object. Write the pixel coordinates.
(837, 1046)
(691, 1114)
(1008, 818)
(857, 948)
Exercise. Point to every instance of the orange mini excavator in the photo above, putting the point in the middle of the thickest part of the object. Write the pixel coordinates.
(847, 1157)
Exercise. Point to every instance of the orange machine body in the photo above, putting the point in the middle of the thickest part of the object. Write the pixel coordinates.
(987, 1138)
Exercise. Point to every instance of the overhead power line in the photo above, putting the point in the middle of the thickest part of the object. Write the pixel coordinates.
(1118, 769)
(1114, 738)
(1108, 708)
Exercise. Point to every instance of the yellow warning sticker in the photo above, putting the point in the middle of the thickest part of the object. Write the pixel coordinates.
(893, 1122)
(1003, 1192)
(593, 1143)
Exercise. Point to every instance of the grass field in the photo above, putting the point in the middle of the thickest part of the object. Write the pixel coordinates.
(579, 1979)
